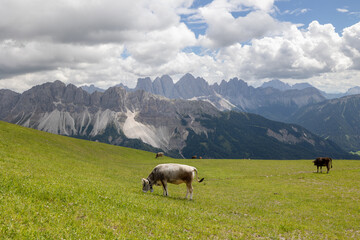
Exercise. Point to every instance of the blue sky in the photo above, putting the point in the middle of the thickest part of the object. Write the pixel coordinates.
(324, 11)
(117, 41)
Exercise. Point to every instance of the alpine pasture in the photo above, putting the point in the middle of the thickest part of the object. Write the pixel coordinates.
(55, 187)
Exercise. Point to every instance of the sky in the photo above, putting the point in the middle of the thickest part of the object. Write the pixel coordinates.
(107, 42)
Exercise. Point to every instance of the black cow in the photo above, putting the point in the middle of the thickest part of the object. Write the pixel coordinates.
(159, 154)
(323, 161)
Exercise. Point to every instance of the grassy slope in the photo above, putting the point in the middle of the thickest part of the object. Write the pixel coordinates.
(57, 187)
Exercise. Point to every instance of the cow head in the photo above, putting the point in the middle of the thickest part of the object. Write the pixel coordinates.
(146, 185)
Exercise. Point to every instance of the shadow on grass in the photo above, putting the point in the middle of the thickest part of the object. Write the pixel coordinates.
(161, 196)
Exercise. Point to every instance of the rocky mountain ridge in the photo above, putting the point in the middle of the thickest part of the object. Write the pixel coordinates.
(235, 94)
(143, 120)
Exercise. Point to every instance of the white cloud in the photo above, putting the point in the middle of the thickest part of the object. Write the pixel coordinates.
(351, 36)
(18, 57)
(296, 54)
(224, 29)
(297, 11)
(342, 10)
(158, 47)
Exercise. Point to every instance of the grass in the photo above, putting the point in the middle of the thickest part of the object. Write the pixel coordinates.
(54, 187)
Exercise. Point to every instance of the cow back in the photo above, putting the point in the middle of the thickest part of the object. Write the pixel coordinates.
(322, 161)
(173, 173)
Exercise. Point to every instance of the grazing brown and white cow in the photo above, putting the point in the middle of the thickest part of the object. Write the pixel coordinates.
(159, 154)
(323, 161)
(171, 173)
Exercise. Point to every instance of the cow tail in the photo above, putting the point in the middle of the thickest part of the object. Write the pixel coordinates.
(331, 162)
(197, 177)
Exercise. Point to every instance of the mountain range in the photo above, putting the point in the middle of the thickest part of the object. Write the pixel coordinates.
(181, 128)
(158, 87)
(234, 94)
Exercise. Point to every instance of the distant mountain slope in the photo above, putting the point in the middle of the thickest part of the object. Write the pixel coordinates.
(268, 102)
(336, 119)
(241, 135)
(8, 99)
(277, 84)
(353, 91)
(145, 121)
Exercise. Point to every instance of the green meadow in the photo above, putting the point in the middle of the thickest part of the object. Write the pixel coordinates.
(55, 187)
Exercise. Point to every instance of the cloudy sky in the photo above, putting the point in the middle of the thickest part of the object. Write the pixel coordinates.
(107, 42)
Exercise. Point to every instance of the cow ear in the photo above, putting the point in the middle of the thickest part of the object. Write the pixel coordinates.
(143, 180)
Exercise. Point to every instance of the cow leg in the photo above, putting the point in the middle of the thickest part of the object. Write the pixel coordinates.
(328, 168)
(165, 192)
(321, 169)
(189, 190)
(317, 167)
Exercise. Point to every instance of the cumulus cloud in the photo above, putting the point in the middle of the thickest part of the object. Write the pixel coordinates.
(296, 54)
(224, 29)
(161, 46)
(351, 36)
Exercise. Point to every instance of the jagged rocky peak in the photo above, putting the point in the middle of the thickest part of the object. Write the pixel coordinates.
(188, 87)
(41, 97)
(234, 82)
(164, 79)
(51, 95)
(6, 94)
(277, 84)
(353, 91)
(54, 89)
(164, 86)
(191, 80)
(187, 78)
(144, 84)
(113, 99)
(238, 82)
(73, 94)
(233, 88)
